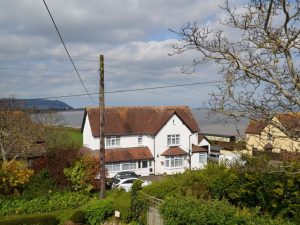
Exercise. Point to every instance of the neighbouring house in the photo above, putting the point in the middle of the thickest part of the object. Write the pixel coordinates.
(219, 137)
(281, 134)
(220, 142)
(147, 139)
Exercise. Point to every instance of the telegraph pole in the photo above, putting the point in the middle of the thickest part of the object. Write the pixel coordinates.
(102, 121)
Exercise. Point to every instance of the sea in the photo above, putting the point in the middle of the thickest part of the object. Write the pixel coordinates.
(208, 122)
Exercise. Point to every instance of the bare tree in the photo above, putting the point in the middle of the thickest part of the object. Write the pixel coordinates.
(257, 54)
(19, 135)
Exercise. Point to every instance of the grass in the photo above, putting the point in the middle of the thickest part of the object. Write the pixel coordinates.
(75, 135)
(65, 137)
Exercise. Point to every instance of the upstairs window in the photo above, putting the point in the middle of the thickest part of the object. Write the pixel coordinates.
(173, 139)
(112, 141)
(140, 140)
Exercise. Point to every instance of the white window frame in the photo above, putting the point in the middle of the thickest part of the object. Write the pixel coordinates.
(201, 156)
(113, 167)
(140, 140)
(112, 141)
(173, 139)
(172, 162)
(129, 166)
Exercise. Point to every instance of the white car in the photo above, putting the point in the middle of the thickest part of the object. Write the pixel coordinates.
(126, 184)
(231, 159)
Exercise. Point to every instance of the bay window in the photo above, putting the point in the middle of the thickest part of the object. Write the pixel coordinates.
(174, 161)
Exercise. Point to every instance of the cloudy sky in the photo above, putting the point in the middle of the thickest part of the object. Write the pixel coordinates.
(133, 35)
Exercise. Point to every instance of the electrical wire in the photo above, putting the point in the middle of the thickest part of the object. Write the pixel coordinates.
(121, 91)
(65, 47)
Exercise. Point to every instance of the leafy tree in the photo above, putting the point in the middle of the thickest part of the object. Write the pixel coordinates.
(257, 54)
(82, 173)
(13, 176)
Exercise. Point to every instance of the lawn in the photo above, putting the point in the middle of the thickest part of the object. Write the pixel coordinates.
(64, 136)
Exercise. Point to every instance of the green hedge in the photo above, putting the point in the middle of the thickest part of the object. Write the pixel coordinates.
(190, 211)
(99, 211)
(273, 189)
(31, 220)
(46, 203)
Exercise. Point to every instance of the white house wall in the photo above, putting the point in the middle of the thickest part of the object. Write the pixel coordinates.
(157, 145)
(173, 126)
(88, 139)
(204, 142)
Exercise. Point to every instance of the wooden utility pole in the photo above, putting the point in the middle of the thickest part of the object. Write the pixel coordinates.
(102, 121)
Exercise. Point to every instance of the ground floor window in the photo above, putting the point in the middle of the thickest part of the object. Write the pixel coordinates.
(144, 164)
(129, 166)
(116, 167)
(174, 161)
(203, 158)
(113, 167)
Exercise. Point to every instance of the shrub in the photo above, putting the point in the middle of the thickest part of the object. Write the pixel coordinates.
(98, 212)
(138, 204)
(14, 174)
(274, 188)
(45, 203)
(122, 203)
(78, 216)
(186, 210)
(31, 220)
(82, 173)
(38, 185)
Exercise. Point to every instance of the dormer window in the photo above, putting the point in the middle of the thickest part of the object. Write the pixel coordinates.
(140, 140)
(173, 139)
(112, 141)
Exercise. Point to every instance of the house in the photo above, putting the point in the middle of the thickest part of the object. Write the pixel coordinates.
(147, 139)
(220, 142)
(219, 137)
(280, 134)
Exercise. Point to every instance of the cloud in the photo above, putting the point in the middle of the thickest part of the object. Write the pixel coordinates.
(132, 34)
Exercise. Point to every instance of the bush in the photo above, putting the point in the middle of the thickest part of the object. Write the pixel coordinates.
(78, 216)
(138, 205)
(186, 210)
(98, 212)
(45, 203)
(31, 220)
(82, 173)
(14, 174)
(38, 185)
(122, 203)
(272, 188)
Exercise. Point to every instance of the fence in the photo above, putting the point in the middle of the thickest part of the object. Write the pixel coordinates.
(153, 215)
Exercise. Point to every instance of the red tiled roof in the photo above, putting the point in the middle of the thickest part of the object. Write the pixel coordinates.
(255, 127)
(172, 151)
(126, 154)
(289, 121)
(196, 149)
(138, 120)
(200, 137)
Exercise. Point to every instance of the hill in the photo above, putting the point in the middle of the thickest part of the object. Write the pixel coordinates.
(39, 104)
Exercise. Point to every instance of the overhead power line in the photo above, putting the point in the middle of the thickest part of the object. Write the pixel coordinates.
(123, 90)
(65, 47)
